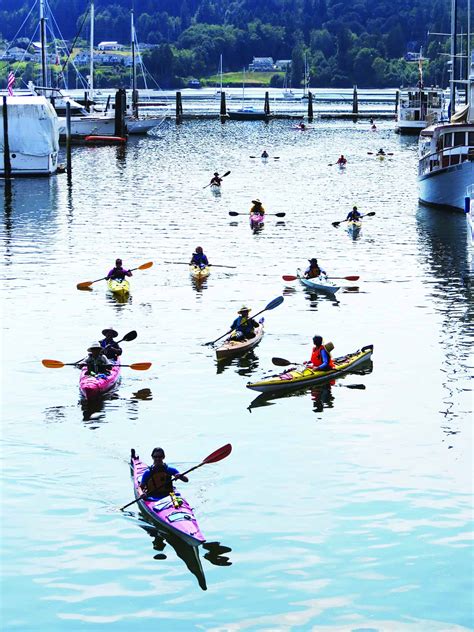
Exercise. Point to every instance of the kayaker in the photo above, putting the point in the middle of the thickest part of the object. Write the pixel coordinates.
(320, 357)
(199, 258)
(156, 481)
(313, 270)
(118, 273)
(301, 125)
(257, 208)
(341, 161)
(244, 326)
(264, 154)
(216, 179)
(354, 215)
(371, 121)
(96, 362)
(111, 348)
(381, 152)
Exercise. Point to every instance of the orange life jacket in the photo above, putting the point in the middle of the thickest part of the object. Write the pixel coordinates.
(316, 357)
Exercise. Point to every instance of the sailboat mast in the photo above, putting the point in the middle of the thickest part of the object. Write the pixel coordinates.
(43, 44)
(134, 70)
(454, 10)
(91, 66)
(221, 71)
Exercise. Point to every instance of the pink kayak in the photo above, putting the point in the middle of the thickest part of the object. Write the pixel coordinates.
(256, 220)
(172, 513)
(93, 386)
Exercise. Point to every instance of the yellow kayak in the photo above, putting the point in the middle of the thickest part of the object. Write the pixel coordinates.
(199, 273)
(119, 287)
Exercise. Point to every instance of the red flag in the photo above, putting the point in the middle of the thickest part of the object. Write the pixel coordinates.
(10, 82)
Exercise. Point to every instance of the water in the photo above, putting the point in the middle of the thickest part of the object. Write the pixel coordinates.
(338, 509)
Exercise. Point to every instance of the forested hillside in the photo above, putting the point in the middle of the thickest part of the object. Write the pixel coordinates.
(345, 41)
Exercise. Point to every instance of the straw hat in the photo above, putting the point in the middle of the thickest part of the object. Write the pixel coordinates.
(244, 308)
(95, 345)
(257, 201)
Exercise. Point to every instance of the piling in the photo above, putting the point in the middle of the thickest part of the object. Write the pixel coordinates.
(266, 107)
(223, 107)
(310, 107)
(68, 139)
(7, 167)
(135, 102)
(397, 101)
(355, 102)
(179, 109)
(120, 107)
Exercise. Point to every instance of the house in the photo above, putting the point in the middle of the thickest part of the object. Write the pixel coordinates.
(282, 64)
(16, 54)
(261, 64)
(110, 46)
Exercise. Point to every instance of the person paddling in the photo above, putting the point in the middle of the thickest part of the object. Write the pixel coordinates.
(381, 152)
(264, 154)
(112, 349)
(301, 125)
(341, 161)
(118, 273)
(199, 258)
(156, 481)
(320, 357)
(216, 179)
(313, 270)
(257, 208)
(244, 326)
(354, 215)
(96, 362)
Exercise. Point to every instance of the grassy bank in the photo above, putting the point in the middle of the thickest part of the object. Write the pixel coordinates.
(234, 79)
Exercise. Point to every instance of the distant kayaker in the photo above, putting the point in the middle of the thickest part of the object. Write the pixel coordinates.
(216, 179)
(374, 127)
(244, 326)
(381, 152)
(156, 481)
(264, 154)
(257, 208)
(341, 161)
(371, 121)
(118, 273)
(199, 258)
(96, 362)
(313, 270)
(320, 357)
(354, 215)
(112, 349)
(301, 125)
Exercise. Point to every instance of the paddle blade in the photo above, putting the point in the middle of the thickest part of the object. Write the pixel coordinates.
(226, 174)
(336, 224)
(282, 362)
(289, 277)
(280, 214)
(360, 387)
(219, 454)
(52, 364)
(139, 366)
(351, 278)
(276, 301)
(85, 285)
(371, 214)
(145, 266)
(234, 213)
(130, 336)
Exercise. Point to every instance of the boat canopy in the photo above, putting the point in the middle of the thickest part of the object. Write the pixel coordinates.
(33, 128)
(461, 115)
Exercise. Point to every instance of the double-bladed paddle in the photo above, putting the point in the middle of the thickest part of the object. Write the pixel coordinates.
(274, 157)
(185, 263)
(85, 285)
(216, 456)
(234, 214)
(57, 364)
(291, 277)
(271, 305)
(371, 153)
(222, 176)
(336, 224)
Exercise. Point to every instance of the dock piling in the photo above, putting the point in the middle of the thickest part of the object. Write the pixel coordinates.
(120, 107)
(179, 109)
(68, 139)
(310, 107)
(223, 107)
(355, 102)
(266, 107)
(7, 166)
(397, 101)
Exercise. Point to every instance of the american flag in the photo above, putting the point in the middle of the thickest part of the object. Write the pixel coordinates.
(11, 81)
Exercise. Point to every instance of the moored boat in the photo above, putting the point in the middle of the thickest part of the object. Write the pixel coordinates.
(303, 376)
(118, 287)
(199, 273)
(232, 347)
(320, 283)
(172, 513)
(93, 386)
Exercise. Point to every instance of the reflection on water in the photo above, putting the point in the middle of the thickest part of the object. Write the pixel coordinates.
(245, 364)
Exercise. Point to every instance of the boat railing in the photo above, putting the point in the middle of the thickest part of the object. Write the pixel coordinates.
(444, 158)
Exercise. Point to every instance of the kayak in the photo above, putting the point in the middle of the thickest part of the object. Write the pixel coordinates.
(354, 227)
(198, 273)
(215, 188)
(119, 287)
(256, 221)
(172, 513)
(93, 386)
(231, 347)
(320, 283)
(304, 376)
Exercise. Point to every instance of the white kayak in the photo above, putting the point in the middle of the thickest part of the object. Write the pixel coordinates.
(232, 347)
(320, 283)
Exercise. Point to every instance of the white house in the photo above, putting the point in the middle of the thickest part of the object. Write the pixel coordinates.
(261, 64)
(283, 64)
(110, 46)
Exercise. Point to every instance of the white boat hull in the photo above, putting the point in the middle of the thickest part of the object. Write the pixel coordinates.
(26, 165)
(447, 187)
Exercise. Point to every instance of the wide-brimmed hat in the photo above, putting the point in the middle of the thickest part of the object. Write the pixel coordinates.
(95, 345)
(244, 308)
(257, 201)
(109, 330)
(313, 260)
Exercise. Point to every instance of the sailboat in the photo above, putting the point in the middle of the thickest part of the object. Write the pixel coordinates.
(287, 91)
(248, 113)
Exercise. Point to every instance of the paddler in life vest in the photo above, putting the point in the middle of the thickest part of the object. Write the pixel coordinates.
(199, 258)
(244, 326)
(354, 215)
(320, 357)
(112, 349)
(118, 273)
(216, 179)
(156, 481)
(96, 362)
(313, 270)
(257, 208)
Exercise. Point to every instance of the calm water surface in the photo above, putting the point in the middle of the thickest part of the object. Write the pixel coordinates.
(338, 509)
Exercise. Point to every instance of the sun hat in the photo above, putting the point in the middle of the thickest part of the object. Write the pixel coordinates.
(244, 308)
(112, 331)
(257, 201)
(313, 260)
(95, 345)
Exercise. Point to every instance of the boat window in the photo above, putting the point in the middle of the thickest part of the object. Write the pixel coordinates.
(459, 138)
(447, 140)
(470, 139)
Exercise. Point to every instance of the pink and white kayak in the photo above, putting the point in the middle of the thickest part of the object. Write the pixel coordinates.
(172, 513)
(93, 386)
(256, 220)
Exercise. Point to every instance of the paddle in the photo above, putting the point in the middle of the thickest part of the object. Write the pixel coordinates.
(291, 277)
(57, 364)
(336, 224)
(85, 285)
(371, 153)
(274, 157)
(234, 214)
(216, 456)
(271, 305)
(222, 176)
(183, 263)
